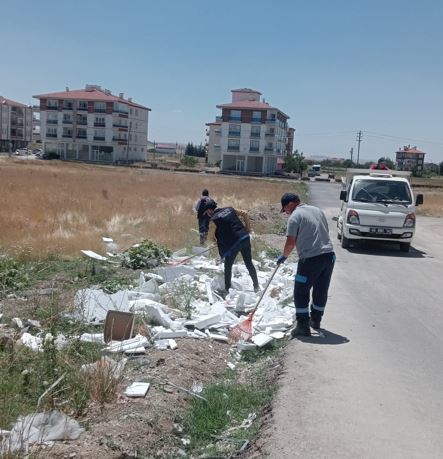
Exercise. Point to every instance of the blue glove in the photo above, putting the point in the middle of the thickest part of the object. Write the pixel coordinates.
(281, 259)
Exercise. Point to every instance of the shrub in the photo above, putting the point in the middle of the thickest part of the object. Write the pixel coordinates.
(147, 254)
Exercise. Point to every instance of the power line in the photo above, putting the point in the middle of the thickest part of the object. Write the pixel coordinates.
(388, 136)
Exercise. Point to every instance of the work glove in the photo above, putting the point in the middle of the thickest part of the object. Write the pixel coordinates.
(281, 259)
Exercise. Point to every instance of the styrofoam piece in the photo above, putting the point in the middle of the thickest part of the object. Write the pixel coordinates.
(149, 286)
(128, 344)
(277, 335)
(217, 337)
(209, 291)
(92, 305)
(137, 389)
(172, 343)
(93, 255)
(17, 322)
(261, 339)
(164, 344)
(153, 310)
(135, 295)
(33, 342)
(137, 350)
(205, 321)
(107, 239)
(157, 277)
(231, 365)
(92, 338)
(170, 273)
(198, 334)
(168, 333)
(246, 346)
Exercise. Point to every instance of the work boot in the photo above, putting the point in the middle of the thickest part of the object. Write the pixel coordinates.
(256, 288)
(315, 323)
(302, 329)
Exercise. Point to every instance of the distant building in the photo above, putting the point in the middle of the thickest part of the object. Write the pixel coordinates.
(94, 125)
(15, 125)
(410, 159)
(249, 136)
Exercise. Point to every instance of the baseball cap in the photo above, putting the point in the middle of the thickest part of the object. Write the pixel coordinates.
(210, 204)
(287, 198)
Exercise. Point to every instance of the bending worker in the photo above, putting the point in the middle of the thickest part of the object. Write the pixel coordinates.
(232, 236)
(308, 230)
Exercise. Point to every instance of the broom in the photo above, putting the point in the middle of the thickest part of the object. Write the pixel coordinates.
(243, 330)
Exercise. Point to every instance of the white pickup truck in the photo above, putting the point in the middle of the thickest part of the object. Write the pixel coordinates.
(377, 205)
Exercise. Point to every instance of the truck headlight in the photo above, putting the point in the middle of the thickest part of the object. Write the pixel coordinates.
(353, 217)
(409, 221)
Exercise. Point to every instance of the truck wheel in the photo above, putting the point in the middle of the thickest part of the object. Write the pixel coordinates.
(344, 241)
(405, 246)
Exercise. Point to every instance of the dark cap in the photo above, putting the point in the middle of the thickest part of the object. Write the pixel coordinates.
(287, 198)
(210, 204)
(205, 192)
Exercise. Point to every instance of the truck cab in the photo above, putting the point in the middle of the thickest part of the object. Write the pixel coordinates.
(377, 206)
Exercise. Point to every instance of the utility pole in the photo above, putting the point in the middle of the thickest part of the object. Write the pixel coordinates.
(352, 154)
(359, 136)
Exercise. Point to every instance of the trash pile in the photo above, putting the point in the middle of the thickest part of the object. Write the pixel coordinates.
(171, 302)
(184, 301)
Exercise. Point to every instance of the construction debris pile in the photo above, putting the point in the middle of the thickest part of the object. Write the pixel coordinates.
(171, 302)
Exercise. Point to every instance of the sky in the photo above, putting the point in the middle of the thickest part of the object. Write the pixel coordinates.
(335, 67)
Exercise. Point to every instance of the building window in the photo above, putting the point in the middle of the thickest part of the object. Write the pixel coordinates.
(52, 104)
(235, 115)
(100, 107)
(255, 131)
(99, 121)
(82, 105)
(136, 112)
(131, 111)
(233, 145)
(254, 145)
(256, 117)
(234, 130)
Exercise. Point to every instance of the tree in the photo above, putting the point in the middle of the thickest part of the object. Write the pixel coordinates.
(441, 168)
(189, 151)
(296, 162)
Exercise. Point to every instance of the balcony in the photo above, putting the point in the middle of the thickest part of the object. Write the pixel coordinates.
(255, 134)
(254, 150)
(271, 120)
(269, 134)
(99, 138)
(81, 136)
(256, 120)
(99, 124)
(67, 135)
(116, 125)
(117, 110)
(232, 148)
(269, 149)
(82, 108)
(118, 139)
(100, 110)
(51, 135)
(235, 118)
(68, 107)
(219, 118)
(51, 121)
(82, 122)
(234, 133)
(51, 107)
(66, 121)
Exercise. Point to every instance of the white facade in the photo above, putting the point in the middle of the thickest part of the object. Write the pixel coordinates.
(93, 125)
(15, 125)
(249, 136)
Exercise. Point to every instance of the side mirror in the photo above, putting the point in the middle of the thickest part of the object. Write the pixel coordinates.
(344, 195)
(419, 199)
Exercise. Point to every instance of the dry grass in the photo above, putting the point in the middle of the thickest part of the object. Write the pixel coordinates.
(59, 208)
(433, 201)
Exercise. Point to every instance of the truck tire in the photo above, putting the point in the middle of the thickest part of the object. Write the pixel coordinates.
(405, 246)
(344, 241)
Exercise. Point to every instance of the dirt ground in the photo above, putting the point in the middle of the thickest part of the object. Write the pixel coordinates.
(150, 426)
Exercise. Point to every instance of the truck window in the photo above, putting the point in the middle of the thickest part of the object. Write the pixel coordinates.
(386, 191)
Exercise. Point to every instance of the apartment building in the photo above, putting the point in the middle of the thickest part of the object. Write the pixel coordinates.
(410, 159)
(92, 124)
(15, 125)
(249, 135)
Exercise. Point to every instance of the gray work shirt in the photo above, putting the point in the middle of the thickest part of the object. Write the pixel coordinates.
(309, 226)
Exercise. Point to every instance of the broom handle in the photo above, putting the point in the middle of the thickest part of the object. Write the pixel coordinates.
(264, 291)
(196, 255)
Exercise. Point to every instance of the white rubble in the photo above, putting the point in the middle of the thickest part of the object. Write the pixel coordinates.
(137, 389)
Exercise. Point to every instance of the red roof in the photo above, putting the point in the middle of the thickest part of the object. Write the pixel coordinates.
(5, 101)
(246, 90)
(97, 95)
(251, 105)
(409, 149)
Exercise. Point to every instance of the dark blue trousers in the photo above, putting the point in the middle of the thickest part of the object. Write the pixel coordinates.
(312, 273)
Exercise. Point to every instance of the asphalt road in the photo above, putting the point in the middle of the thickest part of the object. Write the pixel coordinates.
(371, 384)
